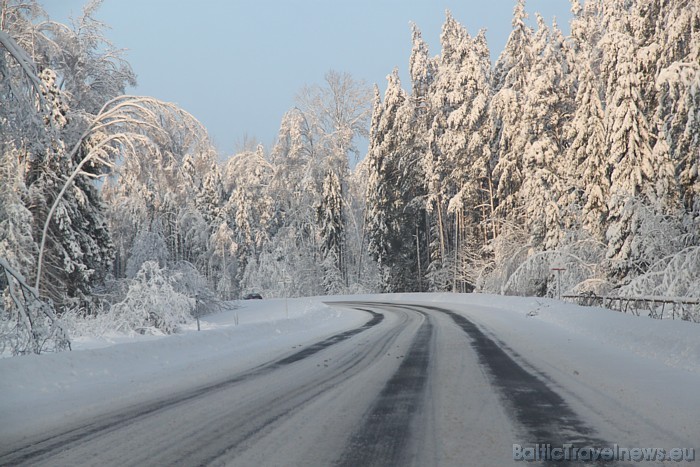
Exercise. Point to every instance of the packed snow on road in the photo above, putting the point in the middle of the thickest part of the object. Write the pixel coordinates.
(628, 381)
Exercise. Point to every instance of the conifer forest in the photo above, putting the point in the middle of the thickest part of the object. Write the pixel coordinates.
(579, 152)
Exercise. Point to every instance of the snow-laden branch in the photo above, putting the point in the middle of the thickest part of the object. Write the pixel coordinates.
(558, 254)
(33, 313)
(26, 64)
(131, 122)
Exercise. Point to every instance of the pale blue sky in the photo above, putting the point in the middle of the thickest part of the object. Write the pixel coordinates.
(236, 65)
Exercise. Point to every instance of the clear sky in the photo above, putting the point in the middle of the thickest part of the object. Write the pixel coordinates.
(237, 65)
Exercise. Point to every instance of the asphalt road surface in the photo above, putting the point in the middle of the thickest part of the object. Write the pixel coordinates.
(416, 385)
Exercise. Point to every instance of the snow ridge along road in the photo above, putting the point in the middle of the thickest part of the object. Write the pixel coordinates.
(424, 384)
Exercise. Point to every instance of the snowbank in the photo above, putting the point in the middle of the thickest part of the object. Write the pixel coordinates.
(105, 374)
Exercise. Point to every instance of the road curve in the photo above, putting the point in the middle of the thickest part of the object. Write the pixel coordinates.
(416, 385)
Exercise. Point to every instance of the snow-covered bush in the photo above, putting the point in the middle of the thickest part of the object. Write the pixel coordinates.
(581, 271)
(80, 324)
(152, 305)
(498, 260)
(677, 275)
(143, 316)
(187, 280)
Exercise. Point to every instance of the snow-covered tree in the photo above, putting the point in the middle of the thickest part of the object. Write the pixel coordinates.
(249, 207)
(395, 202)
(630, 151)
(149, 245)
(17, 245)
(332, 234)
(509, 83)
(679, 113)
(339, 112)
(223, 260)
(546, 109)
(677, 275)
(209, 199)
(318, 135)
(586, 162)
(380, 193)
(67, 211)
(363, 273)
(165, 155)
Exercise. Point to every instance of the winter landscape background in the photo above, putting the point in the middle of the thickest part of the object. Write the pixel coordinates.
(578, 152)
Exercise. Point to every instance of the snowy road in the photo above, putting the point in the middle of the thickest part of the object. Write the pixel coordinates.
(417, 384)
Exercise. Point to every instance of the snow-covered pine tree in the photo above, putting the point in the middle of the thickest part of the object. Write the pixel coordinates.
(78, 250)
(209, 198)
(679, 114)
(460, 139)
(394, 197)
(446, 162)
(666, 32)
(586, 166)
(509, 83)
(291, 158)
(222, 260)
(422, 69)
(630, 151)
(546, 109)
(408, 209)
(646, 18)
(678, 94)
(380, 196)
(294, 193)
(418, 113)
(17, 245)
(479, 144)
(663, 193)
(332, 234)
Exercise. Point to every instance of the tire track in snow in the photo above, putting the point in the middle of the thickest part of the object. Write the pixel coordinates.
(224, 449)
(45, 448)
(543, 413)
(387, 428)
